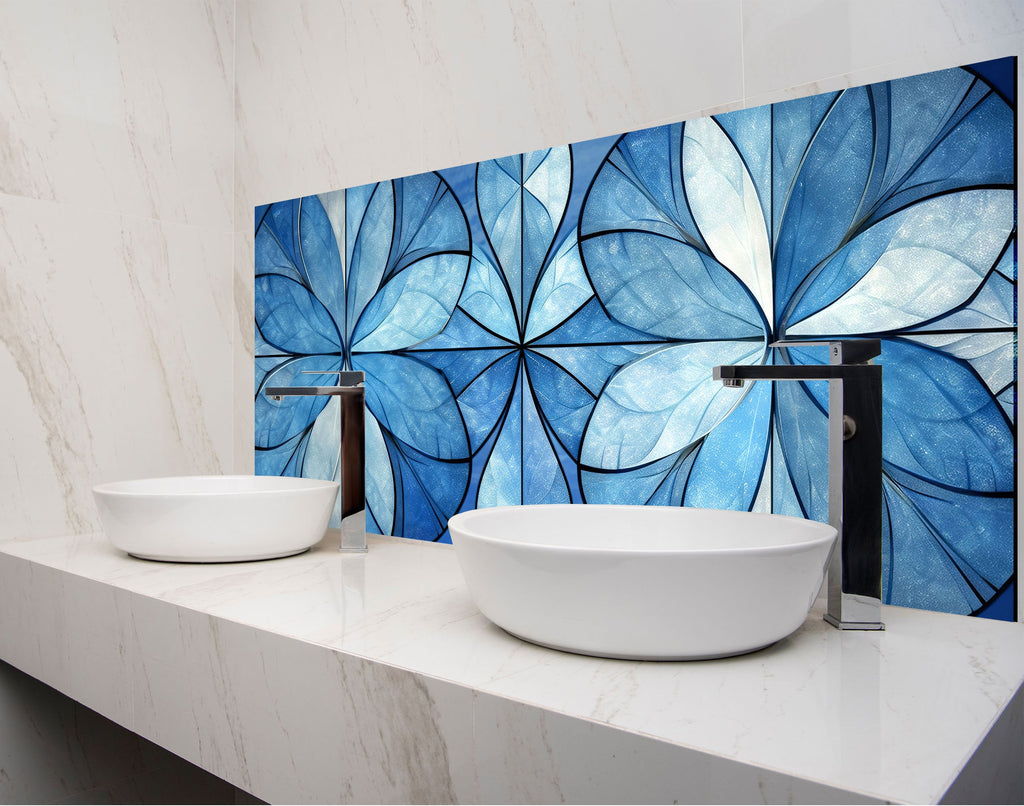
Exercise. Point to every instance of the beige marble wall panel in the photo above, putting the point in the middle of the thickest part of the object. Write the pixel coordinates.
(114, 337)
(803, 47)
(116, 303)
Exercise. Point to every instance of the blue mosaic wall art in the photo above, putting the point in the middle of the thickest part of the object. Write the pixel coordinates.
(541, 328)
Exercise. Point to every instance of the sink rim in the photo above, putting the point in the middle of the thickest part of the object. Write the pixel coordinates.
(273, 485)
(817, 532)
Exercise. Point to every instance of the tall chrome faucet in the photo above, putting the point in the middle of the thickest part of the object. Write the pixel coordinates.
(854, 470)
(351, 394)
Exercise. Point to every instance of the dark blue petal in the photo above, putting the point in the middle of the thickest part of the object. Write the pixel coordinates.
(277, 422)
(292, 320)
(565, 403)
(663, 287)
(427, 491)
(941, 423)
(659, 482)
(950, 550)
(640, 186)
(822, 202)
(802, 442)
(482, 402)
(414, 404)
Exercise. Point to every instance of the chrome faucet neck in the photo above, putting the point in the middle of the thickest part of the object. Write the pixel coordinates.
(352, 450)
(854, 591)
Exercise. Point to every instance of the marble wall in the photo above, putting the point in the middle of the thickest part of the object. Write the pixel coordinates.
(116, 318)
(137, 137)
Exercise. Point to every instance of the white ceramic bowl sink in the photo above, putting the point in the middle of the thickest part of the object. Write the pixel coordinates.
(209, 519)
(642, 582)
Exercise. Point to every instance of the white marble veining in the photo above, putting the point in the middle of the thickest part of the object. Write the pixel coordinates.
(107, 764)
(116, 309)
(121, 129)
(804, 47)
(101, 110)
(107, 347)
(374, 678)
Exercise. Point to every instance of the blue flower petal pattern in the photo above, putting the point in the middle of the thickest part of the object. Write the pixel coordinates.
(541, 328)
(406, 250)
(888, 212)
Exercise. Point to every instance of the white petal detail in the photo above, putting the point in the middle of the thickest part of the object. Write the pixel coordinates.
(725, 206)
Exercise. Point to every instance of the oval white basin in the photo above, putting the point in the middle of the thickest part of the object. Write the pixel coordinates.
(642, 582)
(209, 519)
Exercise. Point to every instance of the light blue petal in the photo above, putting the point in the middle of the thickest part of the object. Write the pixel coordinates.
(522, 467)
(409, 257)
(592, 365)
(413, 306)
(730, 463)
(726, 207)
(659, 404)
(521, 201)
(370, 225)
(486, 299)
(909, 268)
(563, 289)
(502, 481)
(379, 479)
(413, 402)
(751, 131)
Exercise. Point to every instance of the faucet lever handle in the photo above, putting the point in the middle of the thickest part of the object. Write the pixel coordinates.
(841, 351)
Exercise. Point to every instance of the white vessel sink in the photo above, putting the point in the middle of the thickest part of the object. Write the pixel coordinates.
(648, 583)
(208, 519)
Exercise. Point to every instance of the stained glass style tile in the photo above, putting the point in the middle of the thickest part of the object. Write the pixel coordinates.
(541, 328)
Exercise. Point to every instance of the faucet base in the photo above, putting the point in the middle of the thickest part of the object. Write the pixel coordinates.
(854, 625)
(353, 533)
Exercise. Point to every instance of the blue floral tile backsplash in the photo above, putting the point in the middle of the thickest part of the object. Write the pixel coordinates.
(541, 328)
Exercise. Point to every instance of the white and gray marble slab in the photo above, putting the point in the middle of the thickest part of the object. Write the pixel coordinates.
(341, 678)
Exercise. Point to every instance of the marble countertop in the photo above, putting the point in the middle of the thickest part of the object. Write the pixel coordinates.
(250, 669)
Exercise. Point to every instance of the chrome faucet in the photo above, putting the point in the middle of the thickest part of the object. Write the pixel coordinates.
(351, 394)
(854, 595)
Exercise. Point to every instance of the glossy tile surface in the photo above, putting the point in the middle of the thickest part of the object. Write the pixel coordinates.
(266, 672)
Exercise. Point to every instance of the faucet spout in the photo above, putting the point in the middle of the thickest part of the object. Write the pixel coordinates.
(352, 458)
(854, 592)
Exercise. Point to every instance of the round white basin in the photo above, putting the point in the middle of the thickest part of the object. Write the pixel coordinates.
(642, 582)
(208, 519)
